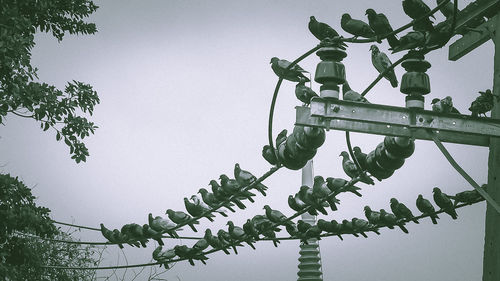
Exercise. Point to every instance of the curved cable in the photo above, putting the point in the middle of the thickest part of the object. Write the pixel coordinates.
(75, 225)
(275, 96)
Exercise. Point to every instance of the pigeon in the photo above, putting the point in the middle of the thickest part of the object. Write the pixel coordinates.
(411, 40)
(351, 170)
(237, 233)
(372, 216)
(271, 235)
(321, 191)
(108, 234)
(304, 93)
(438, 37)
(444, 202)
(245, 178)
(151, 233)
(468, 196)
(360, 156)
(232, 187)
(134, 232)
(225, 238)
(163, 256)
(218, 193)
(312, 232)
(347, 227)
(303, 226)
(295, 203)
(447, 9)
(184, 252)
(350, 95)
(415, 9)
(482, 104)
(196, 210)
(275, 215)
(294, 74)
(305, 194)
(262, 223)
(214, 241)
(269, 155)
(330, 227)
(381, 62)
(363, 225)
(381, 26)
(211, 201)
(338, 185)
(355, 27)
(401, 211)
(426, 208)
(444, 105)
(321, 30)
(281, 137)
(250, 229)
(390, 220)
(200, 245)
(292, 230)
(196, 200)
(182, 218)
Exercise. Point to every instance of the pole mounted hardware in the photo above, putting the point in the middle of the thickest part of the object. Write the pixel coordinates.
(397, 121)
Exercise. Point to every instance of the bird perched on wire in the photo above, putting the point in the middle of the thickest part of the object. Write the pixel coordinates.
(304, 93)
(372, 216)
(482, 104)
(426, 208)
(444, 105)
(294, 74)
(351, 170)
(281, 137)
(250, 229)
(444, 202)
(390, 220)
(305, 194)
(245, 178)
(321, 30)
(468, 196)
(232, 187)
(196, 210)
(360, 156)
(153, 234)
(381, 62)
(381, 26)
(338, 185)
(214, 241)
(411, 40)
(347, 227)
(438, 37)
(358, 28)
(238, 234)
(212, 202)
(180, 217)
(415, 9)
(363, 225)
(269, 155)
(191, 254)
(350, 95)
(401, 211)
(108, 234)
(321, 191)
(275, 215)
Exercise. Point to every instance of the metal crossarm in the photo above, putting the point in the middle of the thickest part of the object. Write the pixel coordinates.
(397, 121)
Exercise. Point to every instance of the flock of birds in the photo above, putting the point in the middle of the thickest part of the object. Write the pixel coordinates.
(425, 35)
(230, 193)
(314, 200)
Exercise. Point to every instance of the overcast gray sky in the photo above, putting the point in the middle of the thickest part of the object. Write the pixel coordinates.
(185, 89)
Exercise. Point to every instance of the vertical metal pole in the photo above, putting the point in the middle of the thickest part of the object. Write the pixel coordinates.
(491, 259)
(310, 259)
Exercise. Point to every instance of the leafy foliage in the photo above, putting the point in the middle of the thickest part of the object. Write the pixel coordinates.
(20, 93)
(22, 256)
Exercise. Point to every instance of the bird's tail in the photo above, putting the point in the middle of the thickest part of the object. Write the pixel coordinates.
(393, 41)
(403, 228)
(433, 218)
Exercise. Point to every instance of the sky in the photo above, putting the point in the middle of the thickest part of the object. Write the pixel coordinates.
(185, 89)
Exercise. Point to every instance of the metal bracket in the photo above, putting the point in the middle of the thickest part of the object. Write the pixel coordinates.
(397, 121)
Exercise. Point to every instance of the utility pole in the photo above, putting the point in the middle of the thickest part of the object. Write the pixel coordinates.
(310, 259)
(491, 259)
